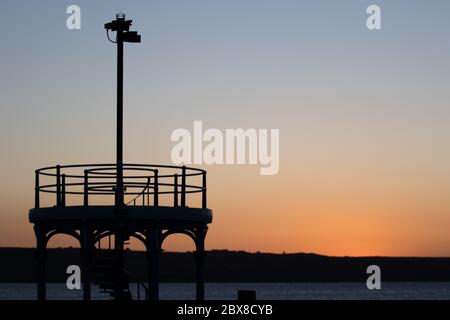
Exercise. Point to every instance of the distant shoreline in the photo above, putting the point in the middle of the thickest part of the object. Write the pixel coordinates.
(18, 265)
(255, 252)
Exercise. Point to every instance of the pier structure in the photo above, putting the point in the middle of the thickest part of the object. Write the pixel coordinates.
(119, 201)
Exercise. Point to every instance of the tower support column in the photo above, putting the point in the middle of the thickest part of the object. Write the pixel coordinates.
(199, 260)
(153, 255)
(86, 261)
(41, 257)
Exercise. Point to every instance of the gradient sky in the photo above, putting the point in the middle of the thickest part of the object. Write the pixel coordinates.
(363, 115)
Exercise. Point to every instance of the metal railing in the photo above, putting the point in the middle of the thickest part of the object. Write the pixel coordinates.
(142, 183)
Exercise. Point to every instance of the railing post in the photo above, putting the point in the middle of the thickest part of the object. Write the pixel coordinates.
(204, 190)
(156, 200)
(63, 192)
(36, 190)
(86, 188)
(183, 186)
(175, 190)
(58, 185)
(143, 197)
(148, 191)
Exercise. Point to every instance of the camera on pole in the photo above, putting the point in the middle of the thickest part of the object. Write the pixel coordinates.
(122, 27)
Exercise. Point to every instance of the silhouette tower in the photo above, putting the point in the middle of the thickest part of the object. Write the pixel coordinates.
(94, 202)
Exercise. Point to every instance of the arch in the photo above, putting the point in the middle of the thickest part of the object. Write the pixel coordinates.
(140, 237)
(197, 234)
(191, 234)
(64, 231)
(102, 234)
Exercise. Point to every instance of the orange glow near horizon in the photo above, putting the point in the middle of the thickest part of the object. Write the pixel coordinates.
(343, 218)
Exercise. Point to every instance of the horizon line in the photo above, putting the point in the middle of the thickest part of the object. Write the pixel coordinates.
(261, 252)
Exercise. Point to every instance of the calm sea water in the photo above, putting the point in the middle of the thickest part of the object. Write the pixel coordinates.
(269, 291)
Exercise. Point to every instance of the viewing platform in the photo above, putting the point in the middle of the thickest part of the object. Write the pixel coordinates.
(81, 201)
(167, 194)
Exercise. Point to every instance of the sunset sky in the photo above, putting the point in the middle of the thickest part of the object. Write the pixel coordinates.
(364, 116)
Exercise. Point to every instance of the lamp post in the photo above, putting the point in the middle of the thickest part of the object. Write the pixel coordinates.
(121, 27)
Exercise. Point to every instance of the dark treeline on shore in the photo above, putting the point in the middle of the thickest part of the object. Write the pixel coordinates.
(18, 265)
